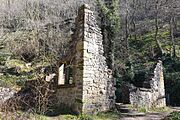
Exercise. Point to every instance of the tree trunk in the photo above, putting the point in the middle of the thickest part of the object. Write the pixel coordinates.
(157, 30)
(126, 31)
(133, 20)
(172, 36)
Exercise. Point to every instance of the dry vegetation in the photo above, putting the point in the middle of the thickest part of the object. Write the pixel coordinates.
(33, 28)
(38, 32)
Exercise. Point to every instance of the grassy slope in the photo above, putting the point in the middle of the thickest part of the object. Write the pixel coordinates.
(143, 61)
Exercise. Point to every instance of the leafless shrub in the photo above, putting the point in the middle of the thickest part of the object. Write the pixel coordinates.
(36, 97)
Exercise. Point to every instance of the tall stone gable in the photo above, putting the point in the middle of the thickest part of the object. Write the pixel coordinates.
(93, 89)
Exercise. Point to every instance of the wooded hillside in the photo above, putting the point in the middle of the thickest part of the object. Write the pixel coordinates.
(36, 34)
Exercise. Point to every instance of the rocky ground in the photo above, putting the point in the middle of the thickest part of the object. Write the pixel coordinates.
(148, 116)
(129, 113)
(5, 94)
(153, 115)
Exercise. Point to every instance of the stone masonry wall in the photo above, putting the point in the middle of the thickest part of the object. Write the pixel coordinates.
(93, 88)
(98, 84)
(153, 97)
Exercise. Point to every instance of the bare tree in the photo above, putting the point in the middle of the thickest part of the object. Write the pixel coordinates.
(43, 25)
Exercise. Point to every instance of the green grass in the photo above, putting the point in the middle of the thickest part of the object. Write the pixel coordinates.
(146, 110)
(174, 116)
(143, 110)
(111, 115)
(9, 80)
(161, 109)
(16, 73)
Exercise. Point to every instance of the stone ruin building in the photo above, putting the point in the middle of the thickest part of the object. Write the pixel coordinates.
(85, 84)
(154, 94)
(150, 95)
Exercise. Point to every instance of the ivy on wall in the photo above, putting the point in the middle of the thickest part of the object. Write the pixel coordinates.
(110, 28)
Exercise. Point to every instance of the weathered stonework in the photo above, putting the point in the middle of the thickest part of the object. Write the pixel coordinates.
(93, 85)
(153, 97)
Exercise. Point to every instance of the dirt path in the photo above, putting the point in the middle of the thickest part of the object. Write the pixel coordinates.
(153, 116)
(149, 116)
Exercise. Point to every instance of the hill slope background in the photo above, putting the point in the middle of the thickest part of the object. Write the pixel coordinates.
(38, 32)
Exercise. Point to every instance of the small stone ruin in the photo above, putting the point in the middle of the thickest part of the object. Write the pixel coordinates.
(153, 96)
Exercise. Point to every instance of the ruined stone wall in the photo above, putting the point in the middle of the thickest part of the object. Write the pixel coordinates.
(153, 97)
(93, 88)
(98, 84)
(68, 98)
